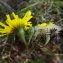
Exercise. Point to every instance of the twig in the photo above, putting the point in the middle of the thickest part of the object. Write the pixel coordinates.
(59, 55)
(51, 3)
(19, 5)
(4, 44)
(59, 21)
(8, 7)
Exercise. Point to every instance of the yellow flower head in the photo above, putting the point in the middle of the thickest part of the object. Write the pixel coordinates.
(43, 24)
(13, 24)
(46, 27)
(51, 23)
(46, 24)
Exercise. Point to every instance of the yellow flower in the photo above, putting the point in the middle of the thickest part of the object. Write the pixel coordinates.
(43, 24)
(46, 27)
(11, 25)
(51, 23)
(46, 24)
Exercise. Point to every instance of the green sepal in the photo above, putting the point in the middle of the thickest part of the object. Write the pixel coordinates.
(21, 34)
(30, 33)
(47, 39)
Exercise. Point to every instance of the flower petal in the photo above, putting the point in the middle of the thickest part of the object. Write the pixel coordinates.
(27, 16)
(2, 24)
(1, 35)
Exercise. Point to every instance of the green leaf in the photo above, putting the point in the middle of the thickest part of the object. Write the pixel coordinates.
(27, 8)
(47, 39)
(30, 33)
(21, 34)
(48, 51)
(37, 61)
